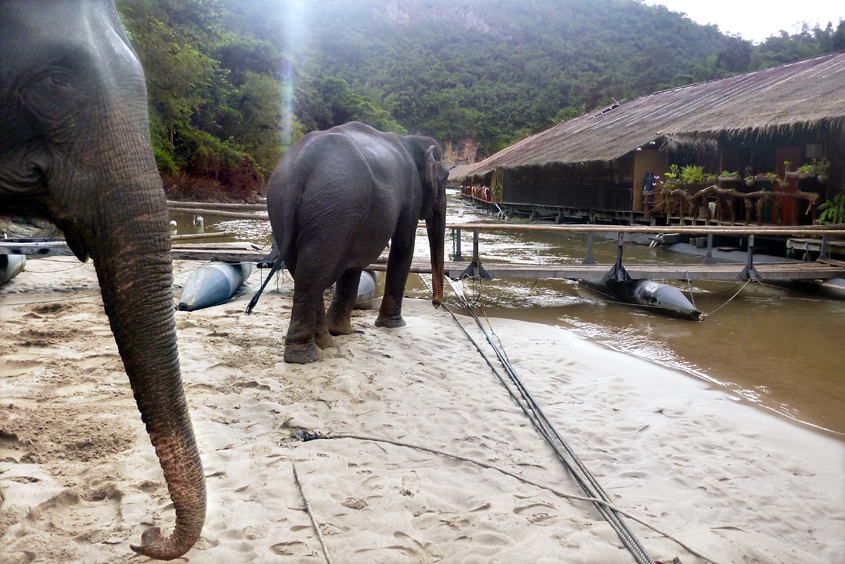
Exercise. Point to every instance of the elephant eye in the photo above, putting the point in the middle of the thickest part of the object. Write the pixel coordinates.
(49, 98)
(59, 80)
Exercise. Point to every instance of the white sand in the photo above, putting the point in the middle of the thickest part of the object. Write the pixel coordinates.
(82, 481)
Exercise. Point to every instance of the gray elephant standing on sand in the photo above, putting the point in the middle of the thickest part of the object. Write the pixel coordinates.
(75, 149)
(334, 201)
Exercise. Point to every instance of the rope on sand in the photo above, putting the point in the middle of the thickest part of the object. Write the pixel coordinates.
(308, 436)
(532, 410)
(311, 515)
(588, 483)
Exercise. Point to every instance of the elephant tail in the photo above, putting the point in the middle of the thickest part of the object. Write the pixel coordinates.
(278, 264)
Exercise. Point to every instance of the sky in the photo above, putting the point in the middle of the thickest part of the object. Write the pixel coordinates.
(758, 19)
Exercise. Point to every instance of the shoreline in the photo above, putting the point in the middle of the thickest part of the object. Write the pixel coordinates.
(720, 386)
(730, 480)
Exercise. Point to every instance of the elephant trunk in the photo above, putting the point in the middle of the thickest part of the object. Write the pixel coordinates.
(436, 227)
(131, 252)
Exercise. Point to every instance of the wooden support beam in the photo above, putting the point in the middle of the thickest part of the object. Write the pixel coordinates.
(199, 236)
(219, 213)
(215, 206)
(738, 230)
(246, 252)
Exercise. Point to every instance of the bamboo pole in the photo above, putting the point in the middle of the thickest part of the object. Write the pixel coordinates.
(215, 206)
(218, 213)
(200, 236)
(803, 231)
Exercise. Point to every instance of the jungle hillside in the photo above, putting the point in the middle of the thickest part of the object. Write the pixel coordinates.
(233, 83)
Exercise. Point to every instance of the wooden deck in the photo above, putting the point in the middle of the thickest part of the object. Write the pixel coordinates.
(595, 272)
(247, 252)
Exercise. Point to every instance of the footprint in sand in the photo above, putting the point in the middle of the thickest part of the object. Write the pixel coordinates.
(256, 532)
(87, 516)
(292, 549)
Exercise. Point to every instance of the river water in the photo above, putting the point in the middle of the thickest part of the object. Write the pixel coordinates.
(772, 347)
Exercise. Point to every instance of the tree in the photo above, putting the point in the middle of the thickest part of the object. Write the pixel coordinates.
(736, 56)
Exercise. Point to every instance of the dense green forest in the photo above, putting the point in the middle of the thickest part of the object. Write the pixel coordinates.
(233, 83)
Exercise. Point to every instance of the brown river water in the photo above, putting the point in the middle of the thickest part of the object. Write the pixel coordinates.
(777, 349)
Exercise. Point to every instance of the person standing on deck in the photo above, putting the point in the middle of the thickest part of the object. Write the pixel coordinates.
(648, 195)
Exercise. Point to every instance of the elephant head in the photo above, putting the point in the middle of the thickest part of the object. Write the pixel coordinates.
(433, 176)
(75, 149)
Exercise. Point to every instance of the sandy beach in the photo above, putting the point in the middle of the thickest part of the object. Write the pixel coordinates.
(82, 482)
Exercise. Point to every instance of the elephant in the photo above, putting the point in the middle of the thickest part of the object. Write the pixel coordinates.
(334, 201)
(75, 149)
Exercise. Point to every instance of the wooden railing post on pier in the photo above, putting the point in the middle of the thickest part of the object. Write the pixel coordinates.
(456, 234)
(475, 271)
(617, 271)
(589, 258)
(749, 272)
(708, 255)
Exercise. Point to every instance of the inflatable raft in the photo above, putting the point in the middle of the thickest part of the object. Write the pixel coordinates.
(664, 298)
(11, 266)
(212, 284)
(367, 288)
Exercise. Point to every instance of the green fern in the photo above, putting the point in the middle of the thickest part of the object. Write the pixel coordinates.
(833, 211)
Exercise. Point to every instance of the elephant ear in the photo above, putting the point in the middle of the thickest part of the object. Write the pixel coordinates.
(431, 172)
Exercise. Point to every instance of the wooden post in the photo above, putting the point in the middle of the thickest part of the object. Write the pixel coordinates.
(708, 256)
(589, 258)
(456, 233)
(823, 252)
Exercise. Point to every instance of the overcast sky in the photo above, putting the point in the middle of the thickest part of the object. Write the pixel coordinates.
(758, 19)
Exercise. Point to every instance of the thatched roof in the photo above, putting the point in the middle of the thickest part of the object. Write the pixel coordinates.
(782, 99)
(459, 171)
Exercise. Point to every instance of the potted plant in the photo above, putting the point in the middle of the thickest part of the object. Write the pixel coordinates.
(671, 177)
(768, 177)
(728, 176)
(692, 174)
(806, 171)
(821, 166)
(693, 177)
(833, 210)
(773, 178)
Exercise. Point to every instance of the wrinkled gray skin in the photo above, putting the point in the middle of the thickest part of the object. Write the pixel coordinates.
(335, 200)
(75, 149)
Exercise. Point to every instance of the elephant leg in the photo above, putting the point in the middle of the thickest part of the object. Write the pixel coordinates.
(345, 295)
(300, 347)
(321, 329)
(398, 265)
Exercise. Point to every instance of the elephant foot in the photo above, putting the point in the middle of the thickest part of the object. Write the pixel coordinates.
(324, 340)
(340, 324)
(302, 353)
(390, 322)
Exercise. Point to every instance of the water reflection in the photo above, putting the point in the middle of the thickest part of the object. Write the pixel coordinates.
(773, 347)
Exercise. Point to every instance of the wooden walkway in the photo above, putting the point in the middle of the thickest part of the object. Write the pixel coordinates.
(595, 272)
(247, 252)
